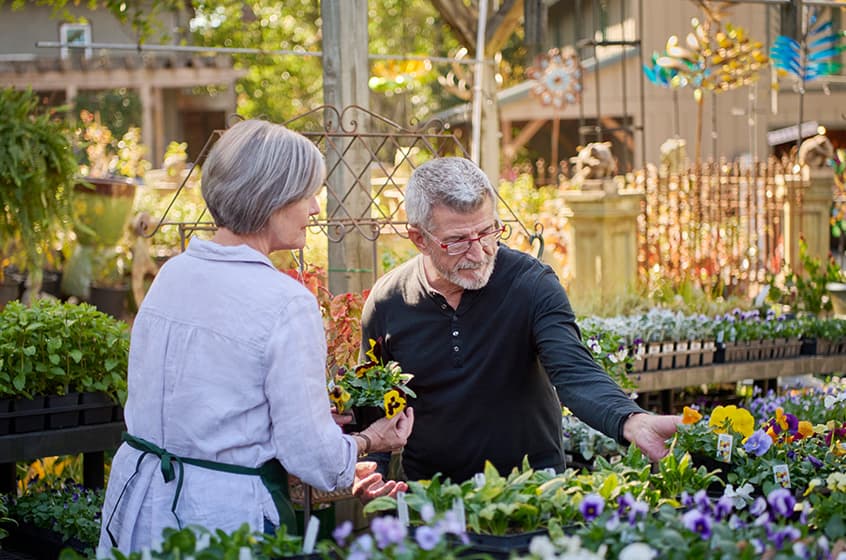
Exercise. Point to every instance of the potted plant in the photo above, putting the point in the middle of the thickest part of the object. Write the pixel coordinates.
(62, 363)
(370, 390)
(47, 520)
(37, 170)
(109, 280)
(104, 195)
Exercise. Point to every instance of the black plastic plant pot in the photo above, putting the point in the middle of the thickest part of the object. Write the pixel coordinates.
(363, 416)
(63, 411)
(30, 415)
(97, 408)
(501, 546)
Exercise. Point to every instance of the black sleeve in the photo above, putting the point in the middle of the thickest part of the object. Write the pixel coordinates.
(581, 383)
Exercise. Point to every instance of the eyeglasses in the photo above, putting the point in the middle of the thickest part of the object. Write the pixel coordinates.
(454, 248)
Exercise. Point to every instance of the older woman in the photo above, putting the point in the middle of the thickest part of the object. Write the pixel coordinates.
(226, 368)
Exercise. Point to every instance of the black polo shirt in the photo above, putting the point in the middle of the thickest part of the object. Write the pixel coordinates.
(486, 374)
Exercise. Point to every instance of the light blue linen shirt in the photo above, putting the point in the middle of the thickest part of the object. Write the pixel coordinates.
(226, 363)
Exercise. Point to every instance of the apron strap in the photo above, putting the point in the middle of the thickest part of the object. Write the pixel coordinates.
(273, 475)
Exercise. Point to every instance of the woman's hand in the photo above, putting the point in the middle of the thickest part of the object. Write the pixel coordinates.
(340, 419)
(369, 484)
(388, 434)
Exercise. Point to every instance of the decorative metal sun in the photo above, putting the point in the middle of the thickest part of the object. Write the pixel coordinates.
(557, 75)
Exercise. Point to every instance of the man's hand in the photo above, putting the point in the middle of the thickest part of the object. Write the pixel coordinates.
(650, 432)
(368, 484)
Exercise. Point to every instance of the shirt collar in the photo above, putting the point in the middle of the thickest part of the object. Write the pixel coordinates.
(211, 251)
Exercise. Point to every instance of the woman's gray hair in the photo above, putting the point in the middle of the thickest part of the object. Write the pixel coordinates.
(454, 182)
(254, 169)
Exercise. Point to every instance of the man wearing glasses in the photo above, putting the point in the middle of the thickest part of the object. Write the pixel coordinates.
(491, 339)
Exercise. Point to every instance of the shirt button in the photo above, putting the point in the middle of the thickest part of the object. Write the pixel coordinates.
(443, 306)
(454, 333)
(455, 348)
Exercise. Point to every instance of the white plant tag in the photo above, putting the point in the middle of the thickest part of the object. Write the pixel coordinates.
(479, 479)
(724, 447)
(458, 508)
(402, 508)
(782, 475)
(310, 534)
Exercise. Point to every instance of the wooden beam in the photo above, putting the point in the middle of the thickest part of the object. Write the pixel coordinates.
(525, 135)
(121, 78)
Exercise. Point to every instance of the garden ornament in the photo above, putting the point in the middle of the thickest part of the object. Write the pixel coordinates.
(557, 75)
(816, 152)
(595, 161)
(673, 154)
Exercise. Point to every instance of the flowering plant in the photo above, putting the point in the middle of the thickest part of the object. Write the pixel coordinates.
(782, 452)
(199, 542)
(103, 155)
(771, 527)
(389, 539)
(373, 383)
(69, 510)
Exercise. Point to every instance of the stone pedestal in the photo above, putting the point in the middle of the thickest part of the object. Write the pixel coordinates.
(812, 220)
(605, 245)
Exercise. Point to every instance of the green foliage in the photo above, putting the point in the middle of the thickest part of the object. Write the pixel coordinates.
(806, 291)
(37, 170)
(121, 108)
(203, 544)
(370, 383)
(70, 510)
(145, 18)
(56, 348)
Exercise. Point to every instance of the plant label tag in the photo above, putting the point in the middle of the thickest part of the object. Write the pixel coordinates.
(782, 475)
(310, 534)
(479, 480)
(458, 508)
(724, 447)
(402, 508)
(331, 385)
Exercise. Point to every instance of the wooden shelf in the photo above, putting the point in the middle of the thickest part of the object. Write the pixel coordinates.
(737, 371)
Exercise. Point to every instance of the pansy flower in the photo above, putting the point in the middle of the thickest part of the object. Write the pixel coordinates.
(738, 419)
(690, 416)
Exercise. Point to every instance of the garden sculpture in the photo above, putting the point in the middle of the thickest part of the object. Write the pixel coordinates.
(595, 161)
(816, 152)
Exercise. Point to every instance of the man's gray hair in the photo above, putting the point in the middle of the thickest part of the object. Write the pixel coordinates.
(454, 182)
(254, 169)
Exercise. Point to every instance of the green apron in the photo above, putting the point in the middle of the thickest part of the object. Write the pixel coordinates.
(273, 475)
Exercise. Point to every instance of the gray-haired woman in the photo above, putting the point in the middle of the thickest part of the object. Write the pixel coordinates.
(227, 392)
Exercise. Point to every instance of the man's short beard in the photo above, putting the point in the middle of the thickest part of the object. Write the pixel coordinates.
(487, 266)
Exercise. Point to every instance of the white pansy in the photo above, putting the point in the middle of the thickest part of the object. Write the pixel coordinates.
(542, 547)
(638, 551)
(740, 497)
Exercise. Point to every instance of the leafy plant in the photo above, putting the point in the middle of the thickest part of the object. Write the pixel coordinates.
(373, 383)
(71, 511)
(201, 543)
(807, 291)
(56, 348)
(37, 170)
(103, 155)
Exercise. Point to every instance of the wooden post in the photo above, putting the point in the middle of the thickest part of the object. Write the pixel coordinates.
(345, 74)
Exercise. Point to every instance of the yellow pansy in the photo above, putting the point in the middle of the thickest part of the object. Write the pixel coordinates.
(740, 419)
(806, 428)
(394, 403)
(372, 352)
(339, 397)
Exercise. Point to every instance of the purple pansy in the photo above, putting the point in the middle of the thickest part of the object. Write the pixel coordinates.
(758, 443)
(591, 507)
(698, 522)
